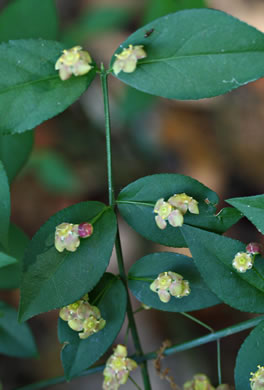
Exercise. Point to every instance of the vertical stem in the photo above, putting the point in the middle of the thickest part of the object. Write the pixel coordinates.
(219, 372)
(131, 320)
(103, 76)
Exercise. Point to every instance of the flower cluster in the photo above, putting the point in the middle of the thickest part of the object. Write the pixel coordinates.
(126, 61)
(170, 284)
(83, 317)
(73, 61)
(174, 209)
(244, 261)
(67, 235)
(117, 369)
(257, 380)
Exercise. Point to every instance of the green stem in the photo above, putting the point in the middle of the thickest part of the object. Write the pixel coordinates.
(134, 383)
(219, 372)
(152, 355)
(197, 321)
(120, 261)
(103, 76)
(131, 320)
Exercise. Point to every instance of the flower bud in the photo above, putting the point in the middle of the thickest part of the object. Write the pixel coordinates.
(85, 229)
(254, 248)
(242, 261)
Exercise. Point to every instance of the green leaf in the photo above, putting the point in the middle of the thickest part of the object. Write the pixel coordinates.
(6, 260)
(15, 339)
(52, 170)
(252, 207)
(133, 103)
(18, 145)
(195, 54)
(27, 74)
(136, 203)
(52, 279)
(4, 206)
(10, 276)
(94, 22)
(150, 266)
(29, 19)
(213, 255)
(78, 354)
(157, 8)
(249, 357)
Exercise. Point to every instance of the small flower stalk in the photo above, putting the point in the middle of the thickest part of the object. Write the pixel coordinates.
(170, 284)
(199, 382)
(83, 317)
(74, 61)
(67, 235)
(117, 369)
(127, 60)
(174, 210)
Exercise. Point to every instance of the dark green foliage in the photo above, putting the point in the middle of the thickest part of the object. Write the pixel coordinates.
(15, 339)
(29, 19)
(18, 145)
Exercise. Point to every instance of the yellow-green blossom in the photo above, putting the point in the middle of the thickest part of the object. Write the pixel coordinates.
(257, 379)
(83, 317)
(73, 61)
(243, 261)
(183, 203)
(67, 237)
(174, 209)
(199, 382)
(169, 284)
(126, 61)
(117, 369)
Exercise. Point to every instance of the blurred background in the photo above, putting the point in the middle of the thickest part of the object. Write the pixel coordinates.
(218, 141)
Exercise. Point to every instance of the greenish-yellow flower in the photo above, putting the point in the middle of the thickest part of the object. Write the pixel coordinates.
(73, 61)
(243, 261)
(117, 368)
(83, 317)
(126, 61)
(169, 284)
(257, 379)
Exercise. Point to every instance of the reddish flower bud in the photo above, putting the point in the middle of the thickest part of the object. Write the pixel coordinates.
(254, 248)
(85, 229)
